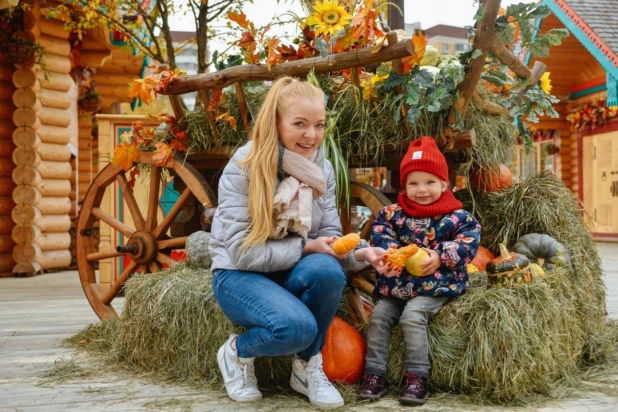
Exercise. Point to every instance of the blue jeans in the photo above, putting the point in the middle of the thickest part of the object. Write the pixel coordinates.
(285, 312)
(413, 316)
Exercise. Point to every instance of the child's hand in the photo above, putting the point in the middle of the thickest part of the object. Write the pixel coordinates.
(432, 264)
(387, 269)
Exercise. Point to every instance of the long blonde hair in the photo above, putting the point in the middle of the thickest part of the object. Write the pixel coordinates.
(263, 157)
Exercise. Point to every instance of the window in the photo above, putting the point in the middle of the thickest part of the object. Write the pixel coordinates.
(445, 49)
(542, 156)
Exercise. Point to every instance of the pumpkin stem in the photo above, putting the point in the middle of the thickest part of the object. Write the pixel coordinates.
(504, 252)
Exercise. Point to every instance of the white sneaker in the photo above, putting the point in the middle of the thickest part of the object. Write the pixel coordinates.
(238, 374)
(309, 379)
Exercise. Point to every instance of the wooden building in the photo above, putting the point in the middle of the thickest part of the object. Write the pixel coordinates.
(584, 76)
(46, 140)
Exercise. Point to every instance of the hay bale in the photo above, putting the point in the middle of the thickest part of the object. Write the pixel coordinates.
(502, 345)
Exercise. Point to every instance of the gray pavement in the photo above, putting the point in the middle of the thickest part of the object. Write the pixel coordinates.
(37, 313)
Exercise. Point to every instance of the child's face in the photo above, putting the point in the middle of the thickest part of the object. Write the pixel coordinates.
(301, 125)
(424, 188)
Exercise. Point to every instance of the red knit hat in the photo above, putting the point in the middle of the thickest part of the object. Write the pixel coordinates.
(423, 155)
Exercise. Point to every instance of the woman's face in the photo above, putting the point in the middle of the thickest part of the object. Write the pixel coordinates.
(301, 124)
(424, 188)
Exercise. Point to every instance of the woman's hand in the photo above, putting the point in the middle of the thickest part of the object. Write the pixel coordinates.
(432, 264)
(322, 244)
(373, 255)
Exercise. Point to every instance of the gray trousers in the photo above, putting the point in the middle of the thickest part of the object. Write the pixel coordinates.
(413, 316)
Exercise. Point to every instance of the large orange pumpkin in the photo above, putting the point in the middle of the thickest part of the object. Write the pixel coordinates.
(491, 181)
(483, 255)
(343, 354)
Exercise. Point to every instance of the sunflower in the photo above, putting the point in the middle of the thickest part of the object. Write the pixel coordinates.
(545, 83)
(328, 18)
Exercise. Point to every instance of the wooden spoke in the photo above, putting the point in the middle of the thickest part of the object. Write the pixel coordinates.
(165, 259)
(93, 257)
(153, 198)
(176, 243)
(127, 194)
(366, 231)
(119, 226)
(113, 291)
(167, 221)
(154, 267)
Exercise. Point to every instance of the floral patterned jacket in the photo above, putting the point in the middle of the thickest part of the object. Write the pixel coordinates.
(454, 236)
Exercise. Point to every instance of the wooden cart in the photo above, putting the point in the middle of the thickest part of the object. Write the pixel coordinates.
(149, 244)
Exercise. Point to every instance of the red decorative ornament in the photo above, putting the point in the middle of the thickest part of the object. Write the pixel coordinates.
(343, 354)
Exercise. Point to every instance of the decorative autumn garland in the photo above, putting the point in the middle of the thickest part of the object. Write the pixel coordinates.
(590, 116)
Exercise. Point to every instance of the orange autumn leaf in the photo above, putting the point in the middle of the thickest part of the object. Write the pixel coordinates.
(181, 145)
(215, 99)
(273, 56)
(288, 53)
(143, 89)
(246, 39)
(126, 154)
(419, 43)
(239, 18)
(230, 119)
(162, 154)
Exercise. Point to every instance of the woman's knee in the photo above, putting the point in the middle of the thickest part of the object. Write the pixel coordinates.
(323, 270)
(296, 332)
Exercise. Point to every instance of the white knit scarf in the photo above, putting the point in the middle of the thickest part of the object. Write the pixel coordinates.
(293, 203)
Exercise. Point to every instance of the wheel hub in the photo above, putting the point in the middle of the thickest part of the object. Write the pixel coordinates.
(141, 246)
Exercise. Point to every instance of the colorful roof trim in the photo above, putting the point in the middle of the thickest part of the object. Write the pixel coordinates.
(592, 42)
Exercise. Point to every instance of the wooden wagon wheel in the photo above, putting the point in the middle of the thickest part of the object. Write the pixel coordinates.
(362, 194)
(147, 244)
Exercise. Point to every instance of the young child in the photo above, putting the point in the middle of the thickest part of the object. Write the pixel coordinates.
(428, 215)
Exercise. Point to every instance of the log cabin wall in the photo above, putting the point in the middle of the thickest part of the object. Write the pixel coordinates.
(7, 108)
(42, 156)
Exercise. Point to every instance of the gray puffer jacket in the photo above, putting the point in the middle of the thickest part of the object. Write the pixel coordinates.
(231, 222)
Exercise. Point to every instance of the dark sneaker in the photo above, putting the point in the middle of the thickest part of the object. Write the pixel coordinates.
(414, 390)
(373, 387)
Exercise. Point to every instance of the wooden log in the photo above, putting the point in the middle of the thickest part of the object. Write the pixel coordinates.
(7, 108)
(54, 117)
(26, 116)
(55, 81)
(48, 187)
(55, 45)
(54, 152)
(25, 97)
(53, 28)
(85, 155)
(508, 58)
(24, 78)
(6, 148)
(26, 156)
(26, 252)
(6, 205)
(490, 107)
(6, 89)
(26, 136)
(29, 195)
(7, 126)
(6, 244)
(6, 225)
(26, 214)
(25, 233)
(6, 186)
(94, 58)
(6, 262)
(31, 215)
(483, 41)
(27, 269)
(54, 205)
(55, 170)
(55, 259)
(57, 64)
(55, 99)
(84, 166)
(6, 71)
(54, 241)
(339, 61)
(84, 144)
(6, 166)
(54, 134)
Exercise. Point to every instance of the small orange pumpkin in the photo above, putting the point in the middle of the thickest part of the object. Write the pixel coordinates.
(492, 181)
(397, 257)
(343, 354)
(483, 255)
(346, 244)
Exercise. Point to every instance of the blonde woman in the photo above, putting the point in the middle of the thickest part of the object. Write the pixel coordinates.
(275, 272)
